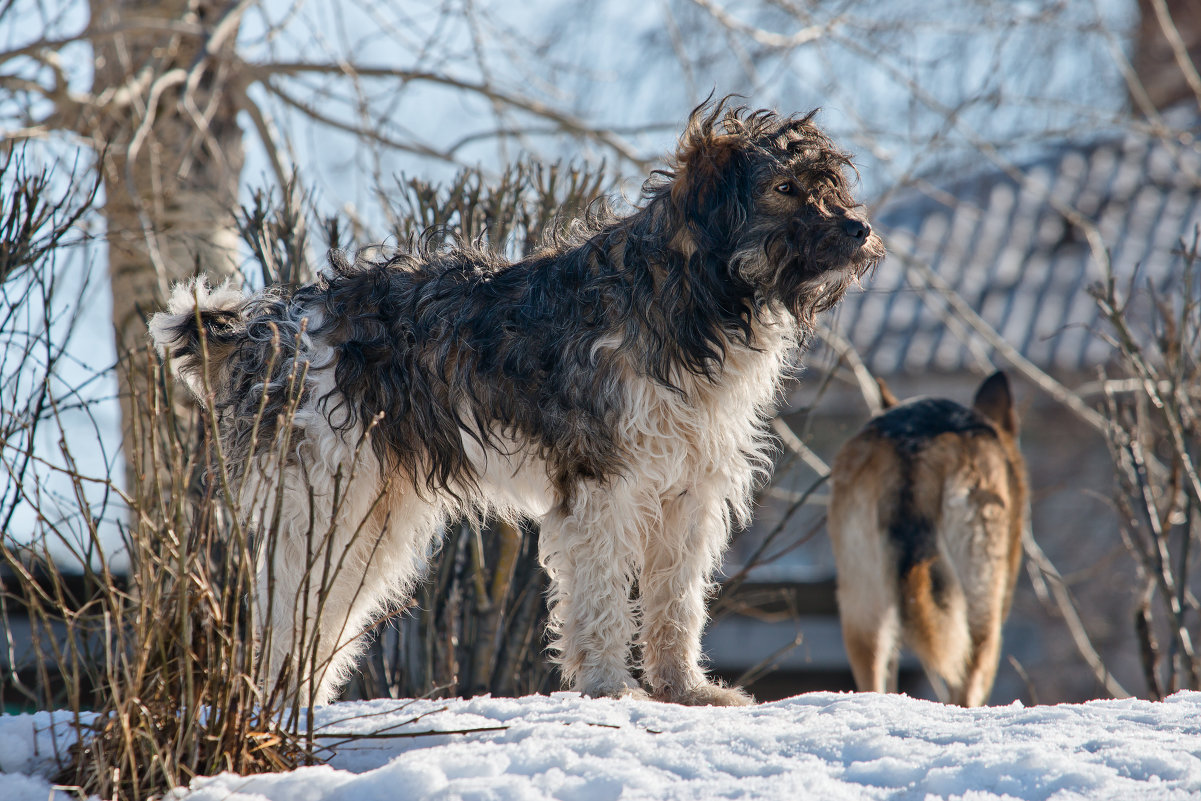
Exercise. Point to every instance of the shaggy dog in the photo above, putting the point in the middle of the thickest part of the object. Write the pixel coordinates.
(614, 386)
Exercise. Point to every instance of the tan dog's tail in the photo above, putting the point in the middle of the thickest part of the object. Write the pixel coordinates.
(934, 615)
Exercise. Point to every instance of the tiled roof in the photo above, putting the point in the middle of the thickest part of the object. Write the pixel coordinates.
(1002, 241)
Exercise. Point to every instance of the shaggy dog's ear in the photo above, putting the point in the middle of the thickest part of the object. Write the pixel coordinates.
(707, 190)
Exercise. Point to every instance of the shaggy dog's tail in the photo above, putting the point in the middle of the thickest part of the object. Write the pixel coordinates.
(202, 326)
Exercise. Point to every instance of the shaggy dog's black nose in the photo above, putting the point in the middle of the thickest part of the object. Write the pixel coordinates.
(856, 229)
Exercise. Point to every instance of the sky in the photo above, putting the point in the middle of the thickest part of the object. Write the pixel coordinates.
(827, 746)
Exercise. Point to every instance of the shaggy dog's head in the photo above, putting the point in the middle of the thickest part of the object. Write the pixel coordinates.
(765, 200)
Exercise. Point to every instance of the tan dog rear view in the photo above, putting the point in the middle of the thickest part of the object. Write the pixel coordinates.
(927, 511)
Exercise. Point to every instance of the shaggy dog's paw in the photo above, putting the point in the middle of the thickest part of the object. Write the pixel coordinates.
(618, 689)
(707, 694)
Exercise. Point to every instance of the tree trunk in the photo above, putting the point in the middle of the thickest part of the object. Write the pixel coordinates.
(171, 153)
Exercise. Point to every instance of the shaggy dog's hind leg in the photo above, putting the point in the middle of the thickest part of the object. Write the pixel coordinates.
(308, 621)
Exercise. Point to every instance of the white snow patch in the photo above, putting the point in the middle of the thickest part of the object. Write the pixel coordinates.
(822, 745)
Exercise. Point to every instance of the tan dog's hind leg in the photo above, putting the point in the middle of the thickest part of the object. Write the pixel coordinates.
(873, 653)
(977, 517)
(981, 669)
(864, 479)
(936, 627)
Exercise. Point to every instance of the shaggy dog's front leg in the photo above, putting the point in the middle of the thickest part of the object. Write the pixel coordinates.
(589, 547)
(324, 563)
(313, 603)
(680, 559)
(309, 623)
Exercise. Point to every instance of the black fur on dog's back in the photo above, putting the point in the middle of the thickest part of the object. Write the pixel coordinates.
(459, 341)
(911, 425)
(909, 429)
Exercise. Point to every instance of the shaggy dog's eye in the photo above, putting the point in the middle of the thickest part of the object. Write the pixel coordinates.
(784, 188)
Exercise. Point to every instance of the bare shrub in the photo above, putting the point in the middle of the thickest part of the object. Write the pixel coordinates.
(155, 662)
(1153, 409)
(159, 665)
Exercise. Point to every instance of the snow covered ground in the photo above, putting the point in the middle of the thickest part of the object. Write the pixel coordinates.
(816, 746)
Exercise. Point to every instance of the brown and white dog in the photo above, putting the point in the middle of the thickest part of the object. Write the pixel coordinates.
(927, 509)
(613, 386)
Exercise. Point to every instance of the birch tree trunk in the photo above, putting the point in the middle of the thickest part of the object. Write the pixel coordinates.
(171, 158)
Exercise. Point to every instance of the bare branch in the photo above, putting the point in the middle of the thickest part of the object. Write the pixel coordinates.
(1179, 49)
(566, 122)
(797, 446)
(1043, 572)
(863, 377)
(365, 133)
(1011, 354)
(803, 36)
(269, 134)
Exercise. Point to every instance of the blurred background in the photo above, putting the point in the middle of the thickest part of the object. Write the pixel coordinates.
(1034, 169)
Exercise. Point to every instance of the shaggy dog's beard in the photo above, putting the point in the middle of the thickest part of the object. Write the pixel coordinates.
(806, 269)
